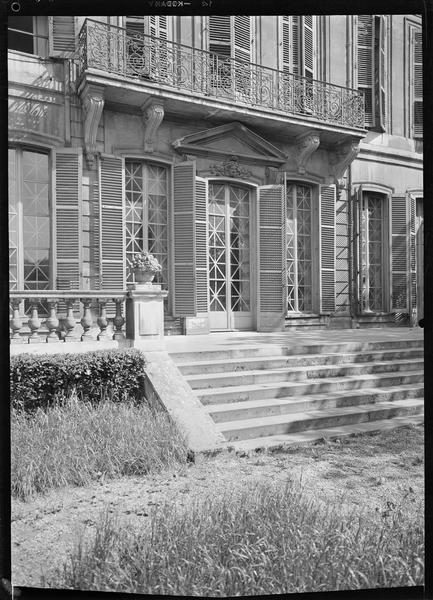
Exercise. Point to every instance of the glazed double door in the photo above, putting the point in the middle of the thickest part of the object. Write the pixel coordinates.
(229, 232)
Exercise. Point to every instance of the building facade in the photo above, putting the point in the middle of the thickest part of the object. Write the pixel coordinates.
(272, 164)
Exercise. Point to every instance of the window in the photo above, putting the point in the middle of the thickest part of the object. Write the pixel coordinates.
(297, 45)
(416, 92)
(146, 56)
(28, 34)
(372, 68)
(29, 221)
(146, 213)
(231, 40)
(299, 248)
(373, 251)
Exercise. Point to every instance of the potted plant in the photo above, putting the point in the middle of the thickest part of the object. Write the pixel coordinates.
(145, 266)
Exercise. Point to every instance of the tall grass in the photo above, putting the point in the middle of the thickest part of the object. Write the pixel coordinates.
(261, 540)
(76, 442)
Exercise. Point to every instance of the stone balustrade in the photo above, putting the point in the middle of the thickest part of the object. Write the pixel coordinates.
(67, 311)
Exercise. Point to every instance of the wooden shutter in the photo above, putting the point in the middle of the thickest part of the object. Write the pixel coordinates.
(62, 36)
(272, 258)
(184, 189)
(380, 74)
(400, 232)
(67, 213)
(201, 245)
(290, 45)
(220, 35)
(242, 42)
(412, 251)
(366, 64)
(307, 47)
(417, 102)
(327, 248)
(112, 223)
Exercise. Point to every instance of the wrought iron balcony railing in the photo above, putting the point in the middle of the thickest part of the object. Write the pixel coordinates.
(149, 59)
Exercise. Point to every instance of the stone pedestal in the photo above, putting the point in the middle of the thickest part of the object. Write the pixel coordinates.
(145, 316)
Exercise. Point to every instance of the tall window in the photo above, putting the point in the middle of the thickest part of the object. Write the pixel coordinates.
(28, 34)
(146, 216)
(416, 92)
(297, 45)
(372, 68)
(299, 250)
(373, 251)
(29, 220)
(231, 41)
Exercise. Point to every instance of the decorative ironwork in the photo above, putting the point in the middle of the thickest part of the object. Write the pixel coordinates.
(157, 61)
(230, 168)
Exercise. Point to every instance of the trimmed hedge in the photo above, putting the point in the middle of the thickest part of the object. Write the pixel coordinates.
(38, 380)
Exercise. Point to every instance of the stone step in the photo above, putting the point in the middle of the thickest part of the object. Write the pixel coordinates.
(250, 409)
(262, 349)
(241, 393)
(280, 362)
(318, 419)
(301, 373)
(329, 433)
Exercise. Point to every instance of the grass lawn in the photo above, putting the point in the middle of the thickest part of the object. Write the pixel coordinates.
(337, 515)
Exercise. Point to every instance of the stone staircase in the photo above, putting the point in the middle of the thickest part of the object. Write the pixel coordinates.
(264, 396)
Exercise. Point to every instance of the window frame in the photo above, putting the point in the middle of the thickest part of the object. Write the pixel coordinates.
(20, 283)
(315, 255)
(39, 35)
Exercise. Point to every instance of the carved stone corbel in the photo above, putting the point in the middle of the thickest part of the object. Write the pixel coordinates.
(153, 114)
(306, 145)
(92, 102)
(341, 158)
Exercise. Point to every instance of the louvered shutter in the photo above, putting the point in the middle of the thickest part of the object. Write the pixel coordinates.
(379, 89)
(296, 45)
(417, 106)
(220, 35)
(242, 38)
(307, 46)
(67, 211)
(201, 245)
(400, 255)
(184, 190)
(412, 251)
(366, 64)
(272, 258)
(286, 45)
(327, 248)
(62, 36)
(112, 223)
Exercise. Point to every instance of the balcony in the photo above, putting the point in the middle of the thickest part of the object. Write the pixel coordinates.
(191, 81)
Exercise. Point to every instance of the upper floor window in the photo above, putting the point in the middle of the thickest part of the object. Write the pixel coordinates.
(372, 68)
(416, 92)
(28, 34)
(297, 46)
(232, 36)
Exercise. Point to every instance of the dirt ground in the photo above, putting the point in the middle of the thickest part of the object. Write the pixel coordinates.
(370, 473)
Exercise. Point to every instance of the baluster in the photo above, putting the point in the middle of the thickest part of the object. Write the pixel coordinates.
(118, 320)
(87, 320)
(69, 322)
(52, 323)
(16, 322)
(102, 321)
(34, 324)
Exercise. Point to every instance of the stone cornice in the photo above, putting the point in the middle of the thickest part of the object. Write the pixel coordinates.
(153, 114)
(92, 102)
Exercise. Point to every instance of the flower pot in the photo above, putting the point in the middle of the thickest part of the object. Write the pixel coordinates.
(143, 276)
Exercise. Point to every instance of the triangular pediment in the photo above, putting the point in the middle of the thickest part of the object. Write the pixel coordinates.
(231, 139)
